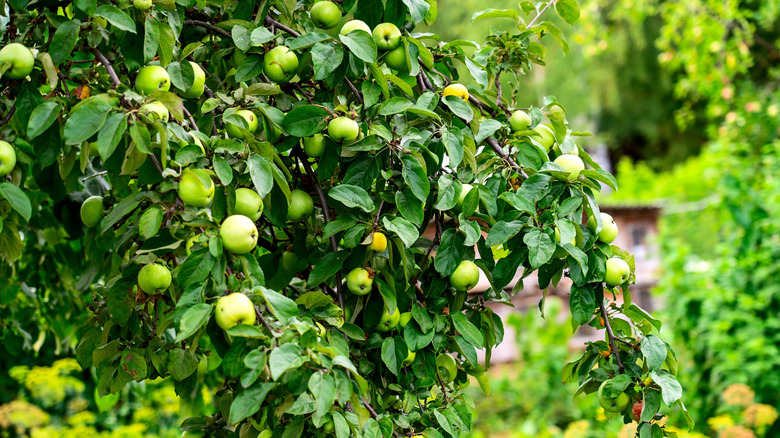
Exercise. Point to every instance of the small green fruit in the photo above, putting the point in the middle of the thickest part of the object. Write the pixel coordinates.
(359, 281)
(447, 367)
(280, 64)
(235, 309)
(410, 357)
(239, 234)
(154, 278)
(546, 136)
(196, 187)
(325, 14)
(613, 405)
(618, 271)
(7, 158)
(251, 122)
(388, 321)
(609, 229)
(248, 203)
(198, 83)
(571, 164)
(379, 242)
(21, 59)
(349, 26)
(152, 78)
(465, 277)
(343, 129)
(92, 211)
(314, 145)
(301, 205)
(396, 59)
(405, 318)
(155, 110)
(142, 5)
(520, 121)
(386, 36)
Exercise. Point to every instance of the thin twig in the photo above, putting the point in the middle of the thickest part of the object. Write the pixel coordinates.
(421, 81)
(265, 321)
(500, 94)
(192, 120)
(156, 163)
(354, 90)
(103, 60)
(271, 22)
(9, 115)
(208, 26)
(611, 337)
(500, 152)
(378, 210)
(531, 24)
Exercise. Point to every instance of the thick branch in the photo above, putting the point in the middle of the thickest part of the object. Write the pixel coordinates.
(208, 26)
(611, 337)
(271, 21)
(103, 60)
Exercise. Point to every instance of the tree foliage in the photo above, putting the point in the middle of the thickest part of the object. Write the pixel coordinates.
(167, 168)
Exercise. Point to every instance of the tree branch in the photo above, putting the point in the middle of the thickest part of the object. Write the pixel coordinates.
(192, 121)
(9, 115)
(500, 152)
(611, 337)
(354, 90)
(208, 26)
(500, 94)
(103, 60)
(271, 21)
(156, 163)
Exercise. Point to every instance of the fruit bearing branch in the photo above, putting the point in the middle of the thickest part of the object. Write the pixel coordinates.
(611, 337)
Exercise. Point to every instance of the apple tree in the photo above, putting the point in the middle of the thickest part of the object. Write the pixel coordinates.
(247, 185)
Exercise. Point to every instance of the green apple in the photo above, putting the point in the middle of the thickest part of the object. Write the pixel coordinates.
(238, 234)
(464, 191)
(405, 318)
(191, 434)
(154, 278)
(248, 203)
(386, 36)
(447, 367)
(314, 145)
(198, 83)
(325, 14)
(251, 121)
(359, 281)
(396, 58)
(196, 187)
(155, 110)
(142, 5)
(571, 164)
(291, 262)
(388, 321)
(465, 277)
(378, 242)
(235, 309)
(609, 229)
(343, 129)
(92, 211)
(7, 158)
(546, 136)
(301, 205)
(520, 121)
(618, 271)
(349, 26)
(280, 64)
(21, 59)
(152, 78)
(613, 405)
(409, 357)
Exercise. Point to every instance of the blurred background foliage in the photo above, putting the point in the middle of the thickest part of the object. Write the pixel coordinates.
(684, 97)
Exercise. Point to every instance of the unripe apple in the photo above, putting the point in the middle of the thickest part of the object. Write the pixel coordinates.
(520, 121)
(198, 83)
(379, 242)
(609, 229)
(291, 262)
(359, 281)
(301, 205)
(547, 137)
(447, 367)
(154, 278)
(238, 234)
(386, 36)
(349, 26)
(388, 321)
(325, 14)
(396, 58)
(142, 5)
(155, 110)
(458, 90)
(248, 203)
(571, 164)
(21, 59)
(7, 158)
(235, 309)
(465, 277)
(464, 191)
(409, 358)
(613, 405)
(343, 129)
(92, 211)
(196, 187)
(152, 78)
(251, 122)
(314, 145)
(280, 64)
(405, 318)
(618, 271)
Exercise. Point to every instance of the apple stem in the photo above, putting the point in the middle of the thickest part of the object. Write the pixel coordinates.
(611, 337)
(107, 64)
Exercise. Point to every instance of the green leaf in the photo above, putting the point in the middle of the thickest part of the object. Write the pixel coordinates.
(262, 174)
(326, 58)
(282, 307)
(446, 195)
(654, 350)
(402, 227)
(414, 176)
(182, 363)
(223, 170)
(250, 67)
(394, 352)
(502, 231)
(284, 358)
(87, 118)
(323, 388)
(418, 9)
(17, 198)
(118, 212)
(602, 176)
(111, 134)
(42, 117)
(327, 267)
(305, 120)
(468, 330)
(459, 107)
(249, 402)
(394, 106)
(582, 303)
(361, 44)
(116, 17)
(64, 40)
(452, 140)
(151, 39)
(671, 391)
(450, 252)
(410, 207)
(150, 221)
(194, 318)
(241, 37)
(651, 405)
(307, 40)
(495, 13)
(352, 196)
(540, 247)
(486, 129)
(134, 363)
(568, 10)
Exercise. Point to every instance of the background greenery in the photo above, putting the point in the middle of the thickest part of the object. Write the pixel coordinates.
(684, 96)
